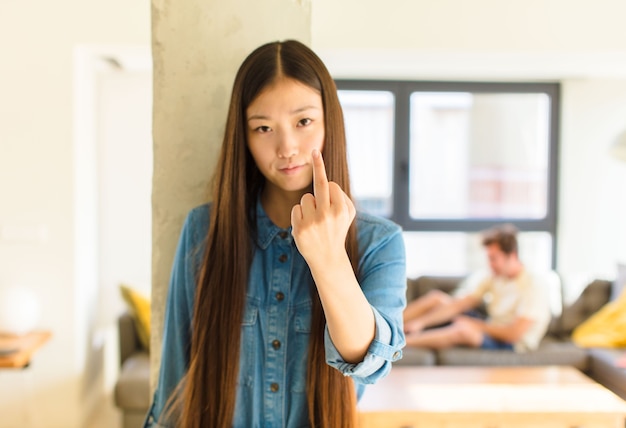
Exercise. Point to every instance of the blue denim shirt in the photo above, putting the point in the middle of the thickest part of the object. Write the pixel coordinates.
(276, 323)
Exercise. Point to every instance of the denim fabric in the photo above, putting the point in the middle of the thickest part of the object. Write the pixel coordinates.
(488, 341)
(276, 323)
(494, 344)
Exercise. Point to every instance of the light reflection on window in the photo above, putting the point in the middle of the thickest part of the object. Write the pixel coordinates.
(478, 155)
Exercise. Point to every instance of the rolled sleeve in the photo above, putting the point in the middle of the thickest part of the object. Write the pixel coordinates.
(382, 277)
(380, 354)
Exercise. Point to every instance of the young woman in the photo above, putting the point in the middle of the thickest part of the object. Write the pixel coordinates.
(279, 300)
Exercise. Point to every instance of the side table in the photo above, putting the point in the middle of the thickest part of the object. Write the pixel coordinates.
(16, 380)
(16, 351)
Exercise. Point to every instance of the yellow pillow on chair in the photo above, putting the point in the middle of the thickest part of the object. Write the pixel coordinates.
(139, 307)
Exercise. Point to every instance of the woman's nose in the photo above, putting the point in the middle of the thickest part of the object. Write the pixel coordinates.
(287, 145)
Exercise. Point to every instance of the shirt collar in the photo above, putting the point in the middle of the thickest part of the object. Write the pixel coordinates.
(267, 230)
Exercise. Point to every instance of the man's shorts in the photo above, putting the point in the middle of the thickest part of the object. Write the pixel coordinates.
(488, 341)
(494, 344)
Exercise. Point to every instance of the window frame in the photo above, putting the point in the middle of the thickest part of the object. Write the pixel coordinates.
(402, 90)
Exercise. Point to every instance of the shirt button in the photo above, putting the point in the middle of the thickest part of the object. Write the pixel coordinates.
(274, 387)
(282, 258)
(276, 344)
(280, 296)
(396, 355)
(283, 235)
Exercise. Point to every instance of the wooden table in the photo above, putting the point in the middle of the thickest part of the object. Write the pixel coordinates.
(489, 397)
(25, 346)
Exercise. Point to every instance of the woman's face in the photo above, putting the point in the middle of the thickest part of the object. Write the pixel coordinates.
(285, 122)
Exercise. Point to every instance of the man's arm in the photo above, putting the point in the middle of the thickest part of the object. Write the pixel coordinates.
(447, 312)
(510, 333)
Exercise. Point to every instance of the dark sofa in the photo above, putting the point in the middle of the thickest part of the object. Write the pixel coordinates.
(555, 349)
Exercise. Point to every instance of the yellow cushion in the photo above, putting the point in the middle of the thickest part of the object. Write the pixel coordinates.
(606, 328)
(139, 307)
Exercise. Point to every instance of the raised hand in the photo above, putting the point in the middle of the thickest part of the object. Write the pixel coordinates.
(322, 219)
(320, 224)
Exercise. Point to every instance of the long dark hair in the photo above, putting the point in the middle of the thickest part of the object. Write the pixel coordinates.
(206, 396)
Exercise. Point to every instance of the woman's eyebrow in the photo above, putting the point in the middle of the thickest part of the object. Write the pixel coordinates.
(305, 108)
(257, 117)
(293, 112)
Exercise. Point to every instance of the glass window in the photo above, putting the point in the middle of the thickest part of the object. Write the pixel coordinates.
(457, 253)
(478, 155)
(369, 118)
(446, 160)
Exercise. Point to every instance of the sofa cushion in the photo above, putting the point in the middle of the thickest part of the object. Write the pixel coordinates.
(416, 357)
(417, 287)
(606, 328)
(550, 352)
(128, 338)
(604, 370)
(592, 298)
(139, 307)
(132, 390)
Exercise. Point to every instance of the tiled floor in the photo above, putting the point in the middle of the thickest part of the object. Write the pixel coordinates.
(106, 416)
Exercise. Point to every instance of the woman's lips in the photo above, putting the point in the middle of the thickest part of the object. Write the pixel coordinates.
(291, 169)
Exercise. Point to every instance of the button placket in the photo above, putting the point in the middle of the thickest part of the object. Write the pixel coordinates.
(281, 250)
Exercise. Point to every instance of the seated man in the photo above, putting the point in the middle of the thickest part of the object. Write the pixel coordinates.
(518, 309)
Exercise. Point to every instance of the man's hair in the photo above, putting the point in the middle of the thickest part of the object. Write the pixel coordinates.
(504, 236)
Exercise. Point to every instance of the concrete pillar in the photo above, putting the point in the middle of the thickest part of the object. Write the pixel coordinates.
(197, 46)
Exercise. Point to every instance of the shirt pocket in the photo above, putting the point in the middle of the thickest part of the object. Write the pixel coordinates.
(302, 335)
(249, 343)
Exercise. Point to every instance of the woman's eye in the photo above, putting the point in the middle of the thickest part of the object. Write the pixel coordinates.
(304, 122)
(263, 129)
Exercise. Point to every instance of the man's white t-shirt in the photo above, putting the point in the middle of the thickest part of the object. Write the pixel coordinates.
(524, 296)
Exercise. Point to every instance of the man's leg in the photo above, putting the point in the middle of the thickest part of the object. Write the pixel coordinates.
(445, 337)
(422, 305)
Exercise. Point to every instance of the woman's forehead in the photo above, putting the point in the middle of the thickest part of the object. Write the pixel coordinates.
(284, 96)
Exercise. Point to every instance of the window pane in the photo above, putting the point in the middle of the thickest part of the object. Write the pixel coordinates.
(459, 253)
(369, 118)
(478, 155)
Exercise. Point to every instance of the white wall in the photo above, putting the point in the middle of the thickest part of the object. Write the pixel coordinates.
(124, 211)
(37, 146)
(124, 129)
(475, 25)
(579, 43)
(592, 215)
